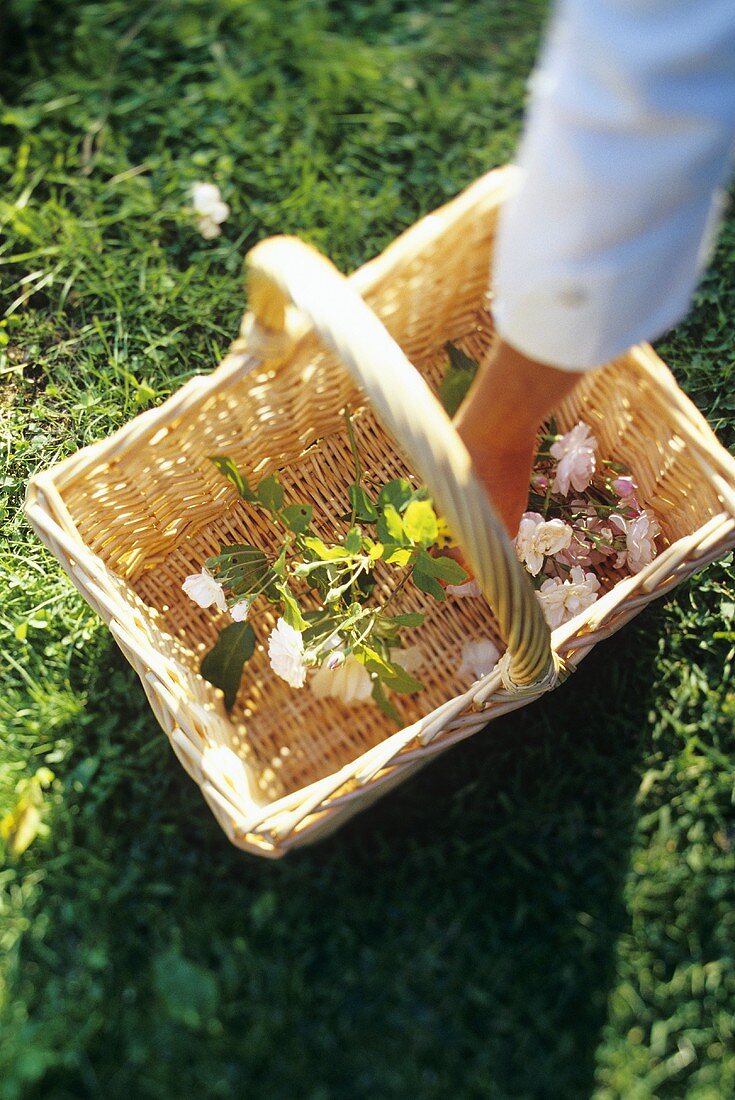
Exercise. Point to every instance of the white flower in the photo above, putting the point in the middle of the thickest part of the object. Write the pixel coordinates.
(538, 538)
(562, 600)
(204, 196)
(640, 534)
(208, 228)
(410, 659)
(286, 653)
(350, 682)
(240, 610)
(203, 589)
(478, 658)
(526, 541)
(467, 588)
(207, 203)
(575, 453)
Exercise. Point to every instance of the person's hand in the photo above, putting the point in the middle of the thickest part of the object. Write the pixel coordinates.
(498, 421)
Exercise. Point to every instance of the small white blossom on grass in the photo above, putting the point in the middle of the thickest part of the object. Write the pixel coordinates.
(240, 610)
(207, 202)
(349, 682)
(640, 535)
(562, 600)
(286, 653)
(575, 454)
(204, 590)
(538, 538)
(478, 659)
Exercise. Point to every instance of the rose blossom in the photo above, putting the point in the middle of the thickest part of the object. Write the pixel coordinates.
(350, 681)
(467, 588)
(478, 659)
(240, 610)
(640, 535)
(204, 590)
(624, 486)
(578, 552)
(286, 652)
(562, 600)
(538, 538)
(575, 453)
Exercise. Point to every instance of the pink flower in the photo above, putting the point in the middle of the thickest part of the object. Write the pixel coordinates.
(562, 600)
(624, 486)
(578, 552)
(467, 588)
(539, 538)
(575, 454)
(640, 535)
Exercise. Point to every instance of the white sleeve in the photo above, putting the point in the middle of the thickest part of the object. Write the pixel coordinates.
(628, 141)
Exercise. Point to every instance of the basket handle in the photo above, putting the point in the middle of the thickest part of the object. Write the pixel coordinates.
(283, 273)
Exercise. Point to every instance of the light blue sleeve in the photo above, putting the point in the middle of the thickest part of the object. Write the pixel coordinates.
(628, 143)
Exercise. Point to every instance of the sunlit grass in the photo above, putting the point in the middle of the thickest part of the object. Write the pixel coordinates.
(548, 911)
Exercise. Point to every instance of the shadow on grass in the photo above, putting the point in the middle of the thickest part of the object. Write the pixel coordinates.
(456, 940)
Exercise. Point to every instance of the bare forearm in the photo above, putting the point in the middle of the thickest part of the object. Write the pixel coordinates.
(499, 419)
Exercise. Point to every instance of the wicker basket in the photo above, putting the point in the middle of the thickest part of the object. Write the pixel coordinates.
(131, 516)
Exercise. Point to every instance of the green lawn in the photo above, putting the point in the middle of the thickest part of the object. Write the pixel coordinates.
(546, 912)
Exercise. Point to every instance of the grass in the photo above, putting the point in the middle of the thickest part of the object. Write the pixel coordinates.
(548, 911)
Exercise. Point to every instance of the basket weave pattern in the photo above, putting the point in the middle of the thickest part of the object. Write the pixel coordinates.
(130, 517)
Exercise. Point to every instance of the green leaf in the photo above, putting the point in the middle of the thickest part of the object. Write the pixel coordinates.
(229, 470)
(426, 583)
(457, 379)
(241, 567)
(322, 552)
(442, 567)
(390, 526)
(393, 676)
(279, 565)
(270, 493)
(420, 522)
(319, 626)
(428, 571)
(297, 517)
(397, 492)
(352, 541)
(223, 665)
(410, 618)
(379, 696)
(399, 555)
(362, 505)
(291, 610)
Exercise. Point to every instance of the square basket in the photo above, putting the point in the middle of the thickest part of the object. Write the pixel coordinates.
(130, 517)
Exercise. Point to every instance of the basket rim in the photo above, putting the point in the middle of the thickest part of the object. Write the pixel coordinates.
(271, 826)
